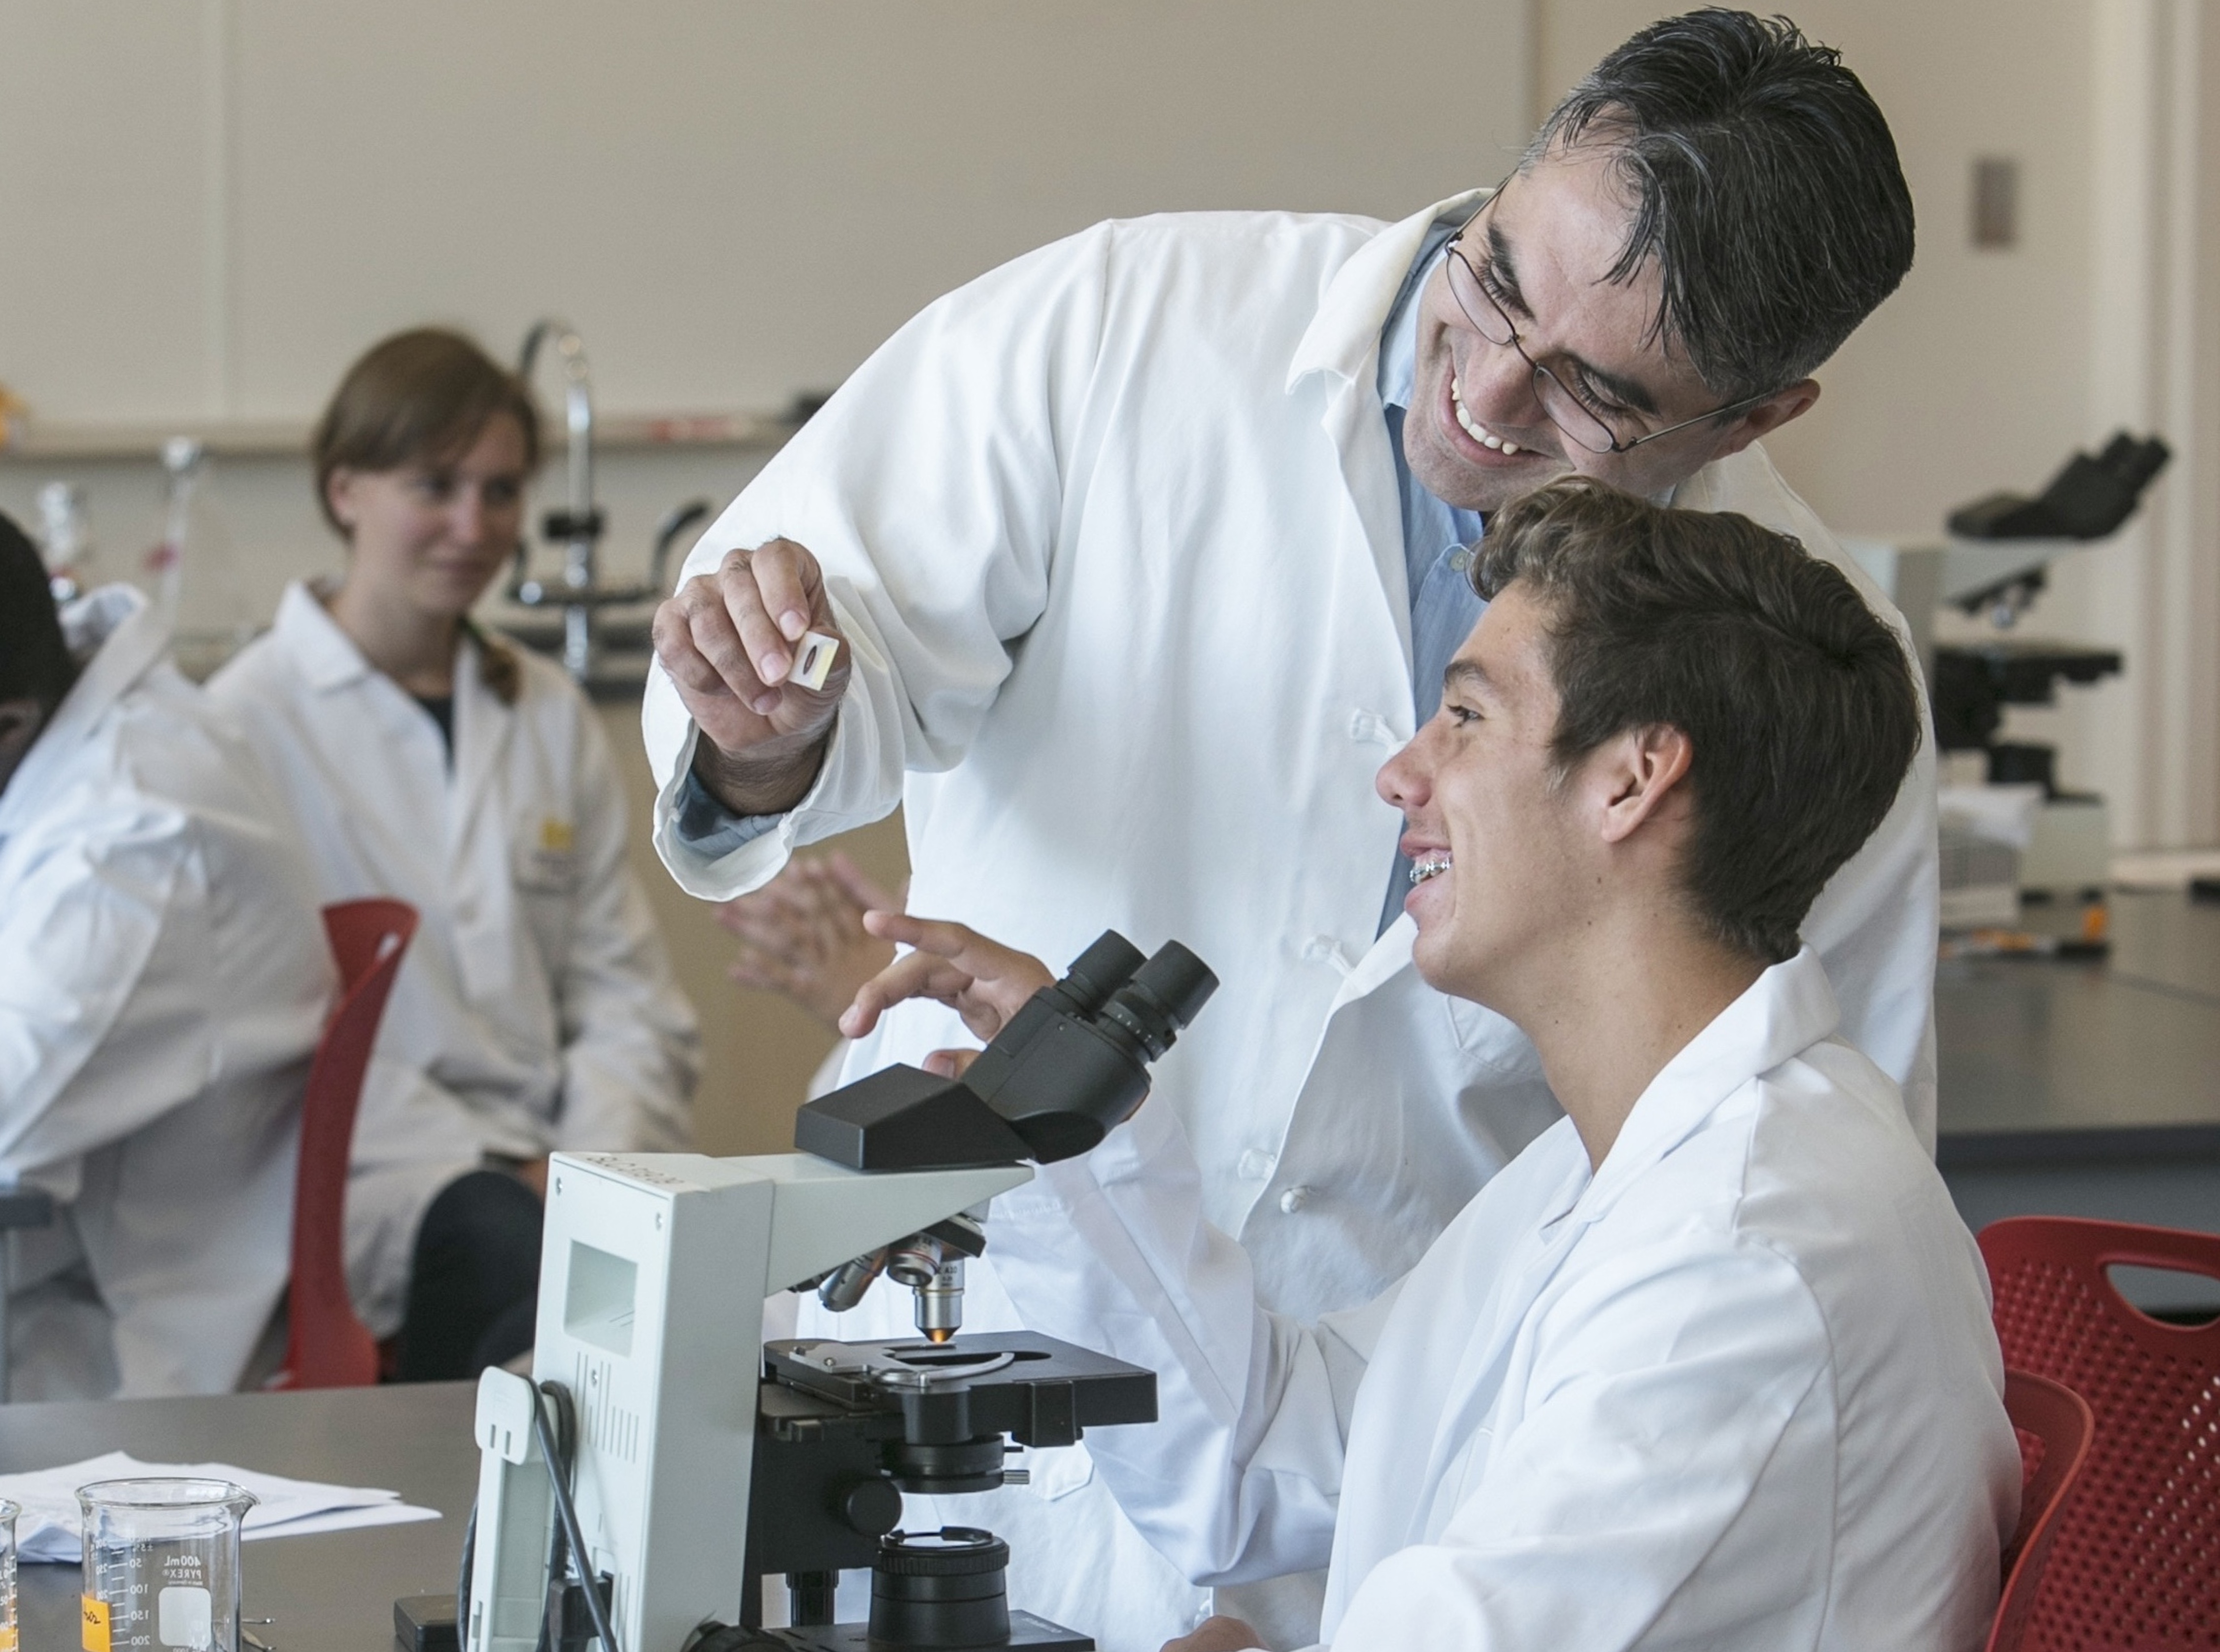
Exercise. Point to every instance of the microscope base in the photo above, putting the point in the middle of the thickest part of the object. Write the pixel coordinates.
(1027, 1634)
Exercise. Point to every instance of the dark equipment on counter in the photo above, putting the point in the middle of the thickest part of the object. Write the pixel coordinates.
(2086, 500)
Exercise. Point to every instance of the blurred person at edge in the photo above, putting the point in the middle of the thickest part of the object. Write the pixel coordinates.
(164, 979)
(1149, 546)
(424, 760)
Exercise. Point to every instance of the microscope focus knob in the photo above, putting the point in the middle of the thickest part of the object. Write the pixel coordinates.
(872, 1507)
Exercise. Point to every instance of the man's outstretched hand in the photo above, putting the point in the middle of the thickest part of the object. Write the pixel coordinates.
(803, 934)
(982, 980)
(727, 640)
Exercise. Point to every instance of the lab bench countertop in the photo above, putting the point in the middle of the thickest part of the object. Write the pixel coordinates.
(2047, 1061)
(329, 1592)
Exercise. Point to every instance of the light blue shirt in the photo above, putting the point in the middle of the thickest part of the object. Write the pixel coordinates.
(1437, 538)
(1437, 542)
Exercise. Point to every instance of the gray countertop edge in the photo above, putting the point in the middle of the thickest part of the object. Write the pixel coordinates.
(2111, 1144)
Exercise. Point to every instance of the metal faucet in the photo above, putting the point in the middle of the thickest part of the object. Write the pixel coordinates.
(577, 526)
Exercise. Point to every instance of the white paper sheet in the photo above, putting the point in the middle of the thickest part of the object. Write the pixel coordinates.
(49, 1528)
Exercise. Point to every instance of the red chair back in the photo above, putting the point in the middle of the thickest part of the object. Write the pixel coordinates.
(2133, 1561)
(2054, 1426)
(326, 1345)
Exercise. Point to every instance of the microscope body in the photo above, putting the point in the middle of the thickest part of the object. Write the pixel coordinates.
(697, 1459)
(653, 1274)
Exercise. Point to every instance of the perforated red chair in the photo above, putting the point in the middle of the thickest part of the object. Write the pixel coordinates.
(2054, 1427)
(2134, 1559)
(326, 1345)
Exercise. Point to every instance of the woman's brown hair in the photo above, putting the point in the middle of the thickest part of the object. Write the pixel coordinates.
(424, 395)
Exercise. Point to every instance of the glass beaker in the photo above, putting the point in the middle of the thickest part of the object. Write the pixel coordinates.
(8, 1512)
(161, 1564)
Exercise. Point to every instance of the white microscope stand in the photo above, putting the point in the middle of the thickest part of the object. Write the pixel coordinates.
(653, 1272)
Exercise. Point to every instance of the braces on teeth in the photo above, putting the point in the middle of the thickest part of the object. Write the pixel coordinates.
(1426, 868)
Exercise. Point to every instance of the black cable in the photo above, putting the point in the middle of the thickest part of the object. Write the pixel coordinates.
(462, 1577)
(558, 1465)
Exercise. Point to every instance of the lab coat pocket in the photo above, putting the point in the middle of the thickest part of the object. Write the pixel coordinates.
(546, 857)
(545, 868)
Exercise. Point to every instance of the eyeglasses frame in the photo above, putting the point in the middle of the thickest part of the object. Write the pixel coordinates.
(1457, 251)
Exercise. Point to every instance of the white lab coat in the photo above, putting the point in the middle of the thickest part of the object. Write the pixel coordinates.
(536, 1009)
(163, 978)
(1737, 1390)
(1115, 534)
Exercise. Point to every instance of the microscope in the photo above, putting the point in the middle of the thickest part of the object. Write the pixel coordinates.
(662, 1459)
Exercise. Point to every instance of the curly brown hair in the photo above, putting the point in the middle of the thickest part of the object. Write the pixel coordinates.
(1798, 700)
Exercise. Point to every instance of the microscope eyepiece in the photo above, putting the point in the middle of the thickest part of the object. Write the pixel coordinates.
(1068, 1067)
(1098, 971)
(1164, 996)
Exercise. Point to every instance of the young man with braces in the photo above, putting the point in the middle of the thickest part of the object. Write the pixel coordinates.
(1709, 1364)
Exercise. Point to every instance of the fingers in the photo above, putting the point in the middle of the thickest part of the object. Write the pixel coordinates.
(917, 975)
(966, 948)
(695, 642)
(748, 621)
(789, 589)
(951, 1063)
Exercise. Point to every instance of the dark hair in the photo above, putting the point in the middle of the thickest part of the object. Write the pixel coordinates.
(34, 661)
(1764, 182)
(1796, 696)
(423, 394)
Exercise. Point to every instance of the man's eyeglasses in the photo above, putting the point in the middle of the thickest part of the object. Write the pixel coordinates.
(1596, 426)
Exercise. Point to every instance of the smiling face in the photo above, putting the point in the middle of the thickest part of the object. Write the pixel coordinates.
(1493, 830)
(429, 537)
(1546, 244)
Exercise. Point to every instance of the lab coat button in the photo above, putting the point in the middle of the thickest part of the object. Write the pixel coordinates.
(1294, 1199)
(1255, 1164)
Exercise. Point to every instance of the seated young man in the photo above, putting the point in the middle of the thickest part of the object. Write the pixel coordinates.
(1709, 1365)
(163, 980)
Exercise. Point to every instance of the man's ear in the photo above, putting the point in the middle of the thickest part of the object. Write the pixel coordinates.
(1639, 774)
(1769, 415)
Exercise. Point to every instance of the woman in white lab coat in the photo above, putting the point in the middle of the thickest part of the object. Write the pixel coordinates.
(536, 1009)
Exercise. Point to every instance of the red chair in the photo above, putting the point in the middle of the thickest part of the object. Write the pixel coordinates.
(326, 1345)
(2054, 1425)
(2135, 1561)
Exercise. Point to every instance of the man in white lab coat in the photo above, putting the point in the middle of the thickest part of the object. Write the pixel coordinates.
(1148, 547)
(1709, 1364)
(163, 978)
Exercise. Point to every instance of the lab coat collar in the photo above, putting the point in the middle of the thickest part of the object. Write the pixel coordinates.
(483, 725)
(325, 654)
(1784, 1012)
(1344, 336)
(117, 637)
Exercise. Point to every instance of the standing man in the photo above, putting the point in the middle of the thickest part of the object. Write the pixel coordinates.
(1148, 547)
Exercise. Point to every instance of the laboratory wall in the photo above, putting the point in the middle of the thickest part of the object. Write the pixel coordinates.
(213, 205)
